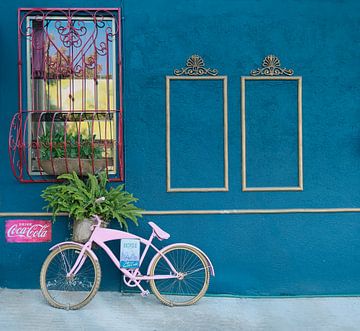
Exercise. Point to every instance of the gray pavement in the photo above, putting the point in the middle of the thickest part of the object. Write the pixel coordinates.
(27, 310)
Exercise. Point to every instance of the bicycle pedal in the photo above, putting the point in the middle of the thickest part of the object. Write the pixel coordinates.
(145, 293)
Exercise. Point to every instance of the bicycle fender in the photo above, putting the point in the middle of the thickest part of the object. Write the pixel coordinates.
(77, 244)
(212, 271)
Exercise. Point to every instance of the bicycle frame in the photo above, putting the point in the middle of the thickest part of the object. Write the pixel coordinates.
(101, 235)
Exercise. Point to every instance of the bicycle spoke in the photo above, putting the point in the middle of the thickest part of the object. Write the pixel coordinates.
(192, 280)
(68, 291)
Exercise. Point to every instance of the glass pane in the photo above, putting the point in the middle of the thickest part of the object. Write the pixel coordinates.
(72, 85)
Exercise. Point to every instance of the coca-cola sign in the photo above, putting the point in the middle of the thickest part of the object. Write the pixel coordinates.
(27, 231)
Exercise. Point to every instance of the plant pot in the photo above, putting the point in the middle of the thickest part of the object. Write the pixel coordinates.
(61, 166)
(82, 230)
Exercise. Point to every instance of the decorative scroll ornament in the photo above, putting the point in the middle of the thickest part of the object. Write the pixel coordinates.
(271, 67)
(195, 66)
(68, 45)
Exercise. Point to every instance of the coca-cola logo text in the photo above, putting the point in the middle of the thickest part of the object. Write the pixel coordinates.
(28, 231)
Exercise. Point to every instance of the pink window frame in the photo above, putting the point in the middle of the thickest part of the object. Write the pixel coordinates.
(19, 167)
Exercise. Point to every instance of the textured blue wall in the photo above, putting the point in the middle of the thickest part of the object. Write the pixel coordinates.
(288, 254)
(253, 254)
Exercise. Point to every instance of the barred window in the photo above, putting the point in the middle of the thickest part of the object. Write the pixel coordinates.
(70, 105)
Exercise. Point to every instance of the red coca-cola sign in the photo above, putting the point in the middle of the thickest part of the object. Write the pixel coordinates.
(27, 231)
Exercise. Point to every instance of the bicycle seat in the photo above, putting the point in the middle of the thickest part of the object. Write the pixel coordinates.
(160, 234)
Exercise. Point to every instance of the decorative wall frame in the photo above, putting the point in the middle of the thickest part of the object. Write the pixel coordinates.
(271, 70)
(195, 70)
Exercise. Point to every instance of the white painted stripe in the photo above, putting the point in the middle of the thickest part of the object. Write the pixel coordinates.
(212, 212)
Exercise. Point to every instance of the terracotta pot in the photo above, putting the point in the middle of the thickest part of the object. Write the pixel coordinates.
(58, 166)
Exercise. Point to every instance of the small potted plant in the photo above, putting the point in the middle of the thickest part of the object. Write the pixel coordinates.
(64, 153)
(78, 197)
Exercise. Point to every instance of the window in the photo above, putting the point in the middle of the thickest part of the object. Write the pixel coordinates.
(70, 110)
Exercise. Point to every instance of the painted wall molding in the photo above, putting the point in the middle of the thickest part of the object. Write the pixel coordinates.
(213, 212)
(195, 70)
(272, 71)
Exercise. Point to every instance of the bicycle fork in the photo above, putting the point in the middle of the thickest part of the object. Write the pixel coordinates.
(78, 263)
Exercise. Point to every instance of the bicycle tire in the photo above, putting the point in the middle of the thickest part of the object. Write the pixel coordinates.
(166, 290)
(66, 286)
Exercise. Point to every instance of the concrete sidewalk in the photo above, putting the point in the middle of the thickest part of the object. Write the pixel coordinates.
(27, 310)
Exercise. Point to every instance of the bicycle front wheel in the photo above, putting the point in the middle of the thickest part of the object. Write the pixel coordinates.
(69, 292)
(193, 276)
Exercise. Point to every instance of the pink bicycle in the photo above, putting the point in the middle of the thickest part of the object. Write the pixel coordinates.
(179, 274)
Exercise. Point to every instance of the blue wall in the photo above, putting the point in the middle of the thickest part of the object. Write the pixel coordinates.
(261, 254)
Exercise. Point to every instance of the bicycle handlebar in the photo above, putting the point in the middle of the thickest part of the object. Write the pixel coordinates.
(100, 200)
(97, 220)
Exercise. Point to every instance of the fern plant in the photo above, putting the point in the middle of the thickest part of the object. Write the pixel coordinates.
(53, 146)
(77, 197)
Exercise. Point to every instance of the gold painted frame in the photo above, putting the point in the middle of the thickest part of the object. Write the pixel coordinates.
(195, 70)
(271, 71)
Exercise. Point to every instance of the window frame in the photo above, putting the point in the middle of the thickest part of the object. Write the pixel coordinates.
(20, 152)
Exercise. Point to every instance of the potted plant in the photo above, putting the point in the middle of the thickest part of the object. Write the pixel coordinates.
(77, 197)
(64, 153)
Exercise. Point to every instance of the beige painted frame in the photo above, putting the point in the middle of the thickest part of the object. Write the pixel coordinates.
(246, 188)
(225, 188)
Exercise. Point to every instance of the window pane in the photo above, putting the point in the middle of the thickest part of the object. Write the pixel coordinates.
(71, 66)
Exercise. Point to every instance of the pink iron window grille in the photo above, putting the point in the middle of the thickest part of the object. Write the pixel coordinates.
(70, 115)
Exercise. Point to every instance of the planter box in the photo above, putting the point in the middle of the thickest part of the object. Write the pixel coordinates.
(58, 166)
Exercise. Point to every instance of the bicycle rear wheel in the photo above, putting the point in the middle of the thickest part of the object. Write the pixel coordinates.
(193, 280)
(64, 292)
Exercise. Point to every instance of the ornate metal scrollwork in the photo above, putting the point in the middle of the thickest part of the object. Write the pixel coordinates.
(271, 67)
(195, 66)
(67, 44)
